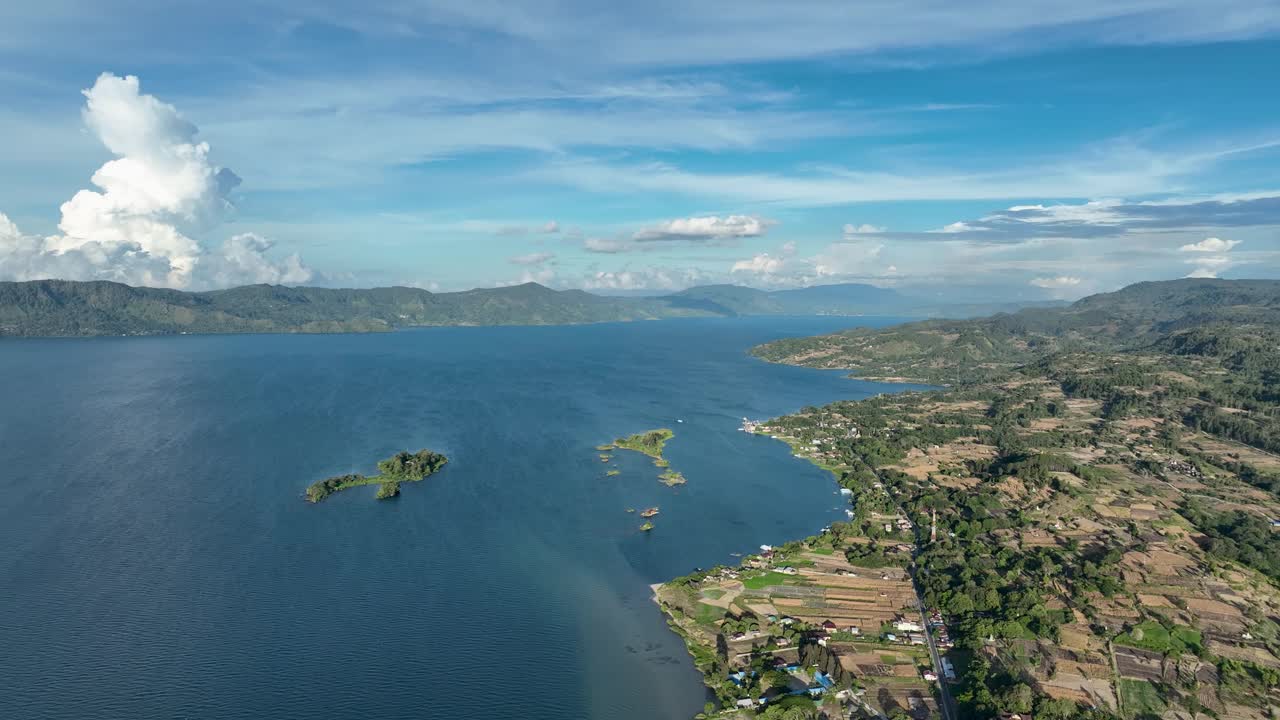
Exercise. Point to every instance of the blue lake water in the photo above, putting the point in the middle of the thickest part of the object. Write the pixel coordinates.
(157, 560)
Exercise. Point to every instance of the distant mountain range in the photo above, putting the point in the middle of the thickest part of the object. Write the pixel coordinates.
(69, 308)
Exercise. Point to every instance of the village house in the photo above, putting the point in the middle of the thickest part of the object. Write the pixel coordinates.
(908, 626)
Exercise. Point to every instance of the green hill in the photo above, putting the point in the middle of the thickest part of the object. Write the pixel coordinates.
(950, 351)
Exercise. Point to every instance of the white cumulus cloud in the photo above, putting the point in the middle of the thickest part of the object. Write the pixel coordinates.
(138, 226)
(850, 230)
(1212, 256)
(711, 227)
(1210, 245)
(761, 264)
(242, 259)
(654, 278)
(1057, 282)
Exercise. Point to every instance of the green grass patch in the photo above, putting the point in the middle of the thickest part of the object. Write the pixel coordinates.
(708, 614)
(1140, 698)
(1152, 635)
(764, 580)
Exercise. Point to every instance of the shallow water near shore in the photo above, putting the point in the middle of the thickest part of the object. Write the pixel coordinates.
(158, 561)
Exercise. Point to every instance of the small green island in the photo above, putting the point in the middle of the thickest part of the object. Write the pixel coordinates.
(671, 478)
(651, 443)
(401, 467)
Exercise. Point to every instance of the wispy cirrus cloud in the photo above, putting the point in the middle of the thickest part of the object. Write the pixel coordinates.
(1099, 218)
(546, 34)
(1121, 167)
(547, 228)
(532, 258)
(606, 246)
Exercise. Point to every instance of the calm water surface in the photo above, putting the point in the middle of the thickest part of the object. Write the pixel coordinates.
(157, 560)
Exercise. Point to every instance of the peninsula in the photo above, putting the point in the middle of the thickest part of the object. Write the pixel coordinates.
(401, 467)
(1082, 524)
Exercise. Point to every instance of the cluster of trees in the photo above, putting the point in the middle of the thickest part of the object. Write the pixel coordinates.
(999, 594)
(987, 692)
(1245, 676)
(322, 489)
(873, 555)
(1262, 433)
(1246, 472)
(411, 466)
(1247, 351)
(401, 467)
(1238, 536)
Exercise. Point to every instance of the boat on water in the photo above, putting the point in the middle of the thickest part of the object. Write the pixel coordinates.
(649, 512)
(647, 526)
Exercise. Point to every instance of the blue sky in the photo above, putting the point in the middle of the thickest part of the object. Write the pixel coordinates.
(1010, 149)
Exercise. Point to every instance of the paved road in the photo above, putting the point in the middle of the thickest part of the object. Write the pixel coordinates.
(948, 704)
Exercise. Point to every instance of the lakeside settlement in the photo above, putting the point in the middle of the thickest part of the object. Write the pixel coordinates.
(1066, 533)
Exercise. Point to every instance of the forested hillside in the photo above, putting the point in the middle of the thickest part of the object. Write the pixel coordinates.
(952, 351)
(57, 307)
